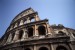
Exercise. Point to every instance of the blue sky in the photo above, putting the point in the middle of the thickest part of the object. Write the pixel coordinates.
(57, 11)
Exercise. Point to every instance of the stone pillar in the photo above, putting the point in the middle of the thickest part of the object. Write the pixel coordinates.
(37, 18)
(25, 21)
(35, 47)
(16, 35)
(48, 29)
(52, 47)
(9, 38)
(28, 20)
(21, 22)
(36, 31)
(24, 34)
(45, 28)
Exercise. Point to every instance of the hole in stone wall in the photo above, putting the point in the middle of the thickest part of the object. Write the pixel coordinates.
(74, 34)
(61, 48)
(20, 34)
(41, 30)
(30, 32)
(43, 48)
(27, 49)
(60, 32)
(32, 20)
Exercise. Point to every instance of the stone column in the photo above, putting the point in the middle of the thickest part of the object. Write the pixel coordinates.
(28, 20)
(37, 18)
(48, 29)
(21, 22)
(16, 35)
(9, 38)
(36, 31)
(24, 34)
(35, 47)
(45, 28)
(52, 47)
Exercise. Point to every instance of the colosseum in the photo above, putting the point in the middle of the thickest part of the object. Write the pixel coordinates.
(28, 32)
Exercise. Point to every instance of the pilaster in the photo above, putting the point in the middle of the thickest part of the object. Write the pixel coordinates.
(36, 31)
(24, 34)
(16, 35)
(37, 18)
(48, 29)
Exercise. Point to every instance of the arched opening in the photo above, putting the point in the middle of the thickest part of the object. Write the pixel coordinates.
(61, 48)
(30, 32)
(20, 34)
(18, 23)
(41, 30)
(74, 34)
(43, 48)
(6, 49)
(60, 32)
(27, 49)
(32, 20)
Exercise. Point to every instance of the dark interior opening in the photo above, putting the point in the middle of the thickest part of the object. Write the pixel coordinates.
(27, 49)
(30, 32)
(43, 48)
(74, 34)
(61, 48)
(60, 32)
(41, 30)
(20, 34)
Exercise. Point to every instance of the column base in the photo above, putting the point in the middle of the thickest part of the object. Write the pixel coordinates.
(23, 39)
(35, 37)
(49, 35)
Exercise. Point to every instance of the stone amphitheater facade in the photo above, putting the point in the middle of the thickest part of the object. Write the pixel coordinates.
(28, 32)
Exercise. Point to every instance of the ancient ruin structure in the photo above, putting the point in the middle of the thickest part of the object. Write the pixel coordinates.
(28, 32)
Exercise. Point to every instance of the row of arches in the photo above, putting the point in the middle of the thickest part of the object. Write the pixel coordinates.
(45, 48)
(41, 31)
(21, 22)
(31, 31)
(28, 33)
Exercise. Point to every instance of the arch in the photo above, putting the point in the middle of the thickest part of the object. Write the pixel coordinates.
(74, 34)
(42, 30)
(43, 48)
(61, 32)
(15, 25)
(30, 32)
(27, 49)
(32, 20)
(20, 34)
(61, 48)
